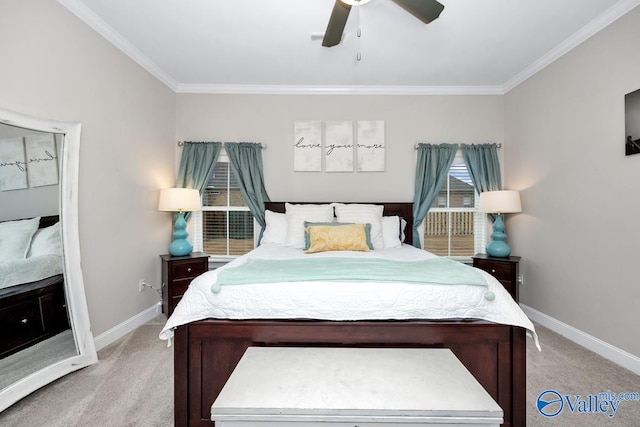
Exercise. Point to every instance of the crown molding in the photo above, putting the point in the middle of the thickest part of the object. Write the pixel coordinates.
(338, 90)
(577, 38)
(92, 20)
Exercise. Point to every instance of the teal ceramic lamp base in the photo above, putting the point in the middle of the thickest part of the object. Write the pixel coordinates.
(180, 246)
(498, 247)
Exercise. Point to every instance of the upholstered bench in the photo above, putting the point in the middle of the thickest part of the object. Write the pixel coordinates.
(377, 387)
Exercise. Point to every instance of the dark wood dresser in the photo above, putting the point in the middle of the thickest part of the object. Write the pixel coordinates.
(506, 270)
(177, 274)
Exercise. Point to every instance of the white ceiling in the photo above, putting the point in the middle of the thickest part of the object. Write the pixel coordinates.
(266, 46)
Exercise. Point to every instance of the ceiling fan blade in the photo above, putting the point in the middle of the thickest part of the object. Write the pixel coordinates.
(337, 21)
(424, 10)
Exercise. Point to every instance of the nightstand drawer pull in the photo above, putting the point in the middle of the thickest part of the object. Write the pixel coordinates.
(24, 321)
(499, 271)
(189, 270)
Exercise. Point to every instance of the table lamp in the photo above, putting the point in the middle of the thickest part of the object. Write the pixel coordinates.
(499, 202)
(179, 200)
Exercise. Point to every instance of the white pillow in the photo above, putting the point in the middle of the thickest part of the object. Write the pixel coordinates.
(15, 238)
(46, 241)
(403, 226)
(391, 231)
(363, 214)
(296, 216)
(275, 230)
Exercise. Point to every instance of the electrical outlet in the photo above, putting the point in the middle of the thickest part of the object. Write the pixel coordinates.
(141, 285)
(521, 279)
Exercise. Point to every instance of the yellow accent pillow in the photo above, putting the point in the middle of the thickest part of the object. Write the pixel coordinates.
(348, 237)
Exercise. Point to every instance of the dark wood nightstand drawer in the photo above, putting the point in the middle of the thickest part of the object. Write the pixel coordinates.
(501, 271)
(188, 269)
(180, 286)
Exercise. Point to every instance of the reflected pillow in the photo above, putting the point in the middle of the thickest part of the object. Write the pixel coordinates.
(346, 237)
(15, 238)
(46, 241)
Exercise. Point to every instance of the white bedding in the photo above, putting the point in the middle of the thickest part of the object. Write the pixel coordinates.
(17, 271)
(343, 300)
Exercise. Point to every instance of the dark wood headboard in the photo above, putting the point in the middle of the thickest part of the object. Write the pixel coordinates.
(45, 221)
(403, 210)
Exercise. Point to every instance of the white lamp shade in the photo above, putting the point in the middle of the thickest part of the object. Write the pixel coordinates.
(179, 200)
(504, 201)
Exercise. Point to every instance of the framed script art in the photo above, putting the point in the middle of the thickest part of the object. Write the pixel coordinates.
(307, 146)
(338, 146)
(632, 122)
(13, 170)
(370, 147)
(42, 167)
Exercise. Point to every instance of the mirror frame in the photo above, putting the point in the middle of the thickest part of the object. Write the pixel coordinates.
(74, 282)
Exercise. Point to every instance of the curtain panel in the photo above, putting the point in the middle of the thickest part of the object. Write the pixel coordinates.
(484, 167)
(196, 165)
(432, 167)
(246, 163)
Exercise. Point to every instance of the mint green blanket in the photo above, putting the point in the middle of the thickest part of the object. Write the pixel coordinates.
(439, 271)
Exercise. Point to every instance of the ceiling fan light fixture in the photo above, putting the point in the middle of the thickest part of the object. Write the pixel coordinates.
(355, 2)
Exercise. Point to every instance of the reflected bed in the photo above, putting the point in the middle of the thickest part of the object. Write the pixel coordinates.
(32, 298)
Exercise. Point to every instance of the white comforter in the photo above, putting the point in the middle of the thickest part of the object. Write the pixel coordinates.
(342, 300)
(15, 272)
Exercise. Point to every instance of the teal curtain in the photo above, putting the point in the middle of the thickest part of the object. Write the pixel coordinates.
(484, 167)
(196, 165)
(246, 163)
(432, 168)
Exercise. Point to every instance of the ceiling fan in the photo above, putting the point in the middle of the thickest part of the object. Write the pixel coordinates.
(424, 10)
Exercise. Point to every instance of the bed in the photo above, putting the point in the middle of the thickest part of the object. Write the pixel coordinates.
(32, 298)
(209, 340)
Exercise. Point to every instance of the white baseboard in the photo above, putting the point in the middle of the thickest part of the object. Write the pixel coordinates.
(606, 350)
(118, 331)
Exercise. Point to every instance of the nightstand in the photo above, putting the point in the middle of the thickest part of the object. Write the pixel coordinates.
(503, 269)
(177, 274)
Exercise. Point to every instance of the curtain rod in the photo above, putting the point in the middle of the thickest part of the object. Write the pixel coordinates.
(181, 143)
(499, 145)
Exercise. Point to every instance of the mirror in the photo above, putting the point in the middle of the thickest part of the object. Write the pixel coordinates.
(51, 336)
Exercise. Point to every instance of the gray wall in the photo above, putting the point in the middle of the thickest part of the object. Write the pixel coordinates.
(563, 135)
(408, 120)
(55, 67)
(579, 234)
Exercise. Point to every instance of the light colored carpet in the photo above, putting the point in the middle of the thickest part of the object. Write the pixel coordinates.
(132, 385)
(572, 370)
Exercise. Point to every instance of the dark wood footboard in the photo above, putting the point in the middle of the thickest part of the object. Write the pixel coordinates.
(207, 351)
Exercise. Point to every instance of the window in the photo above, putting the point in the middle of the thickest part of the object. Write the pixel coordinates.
(453, 227)
(224, 228)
